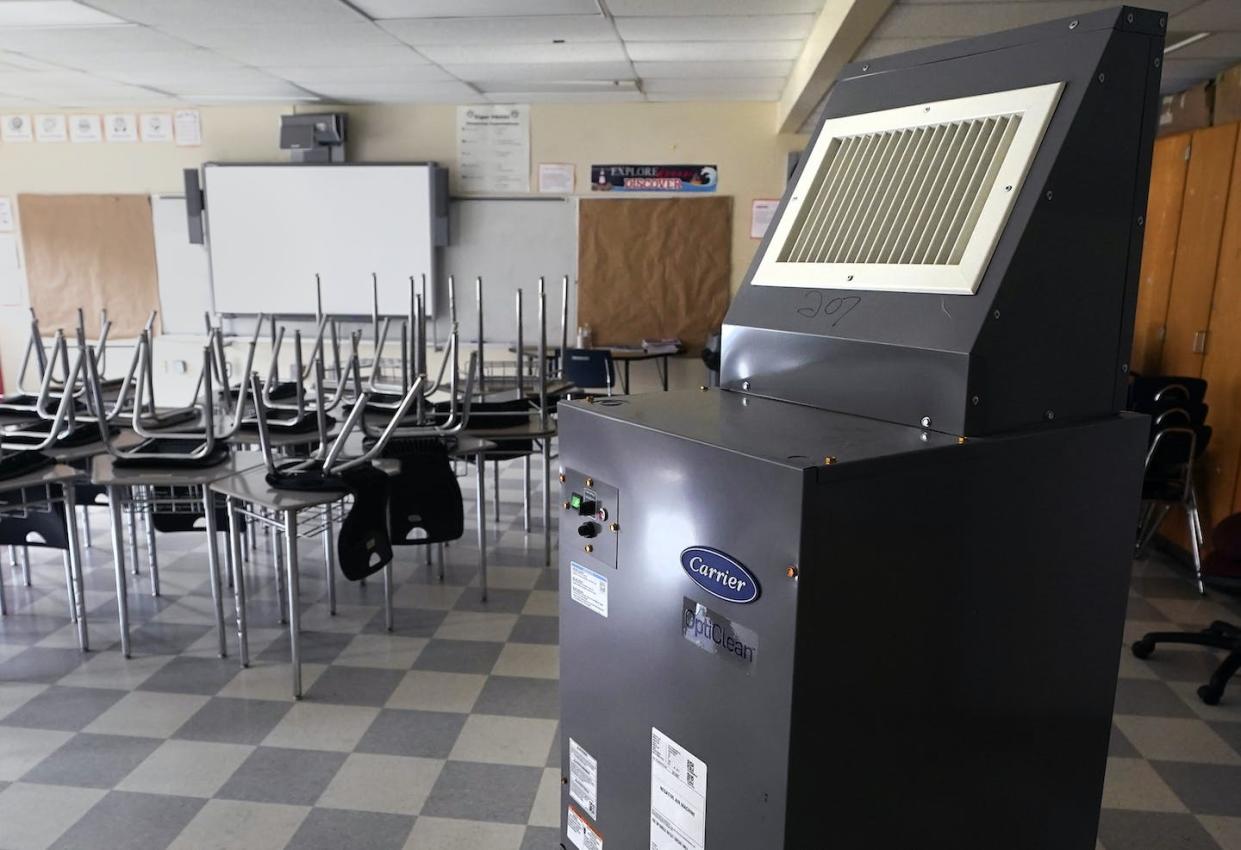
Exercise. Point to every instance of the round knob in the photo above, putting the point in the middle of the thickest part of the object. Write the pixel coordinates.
(588, 529)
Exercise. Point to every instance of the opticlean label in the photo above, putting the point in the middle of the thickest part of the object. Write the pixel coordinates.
(718, 635)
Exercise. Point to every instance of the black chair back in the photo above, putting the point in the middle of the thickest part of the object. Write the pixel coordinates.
(589, 368)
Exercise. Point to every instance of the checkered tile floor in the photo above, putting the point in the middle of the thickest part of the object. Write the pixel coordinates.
(441, 736)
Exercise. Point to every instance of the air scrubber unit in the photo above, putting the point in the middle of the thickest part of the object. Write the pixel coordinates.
(870, 592)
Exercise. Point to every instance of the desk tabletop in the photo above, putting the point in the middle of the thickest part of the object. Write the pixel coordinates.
(251, 486)
(47, 475)
(68, 454)
(103, 472)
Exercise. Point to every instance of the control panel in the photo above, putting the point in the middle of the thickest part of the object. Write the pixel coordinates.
(590, 524)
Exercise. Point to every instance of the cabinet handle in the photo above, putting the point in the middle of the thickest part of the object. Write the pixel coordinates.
(1200, 342)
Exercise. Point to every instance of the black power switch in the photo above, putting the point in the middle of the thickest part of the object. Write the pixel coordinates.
(588, 529)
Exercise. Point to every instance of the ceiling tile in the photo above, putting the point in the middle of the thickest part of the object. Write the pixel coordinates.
(1209, 16)
(9, 101)
(714, 69)
(768, 87)
(53, 13)
(877, 47)
(353, 56)
(712, 51)
(190, 13)
(382, 74)
(961, 20)
(308, 37)
(384, 9)
(712, 7)
(207, 90)
(543, 53)
(716, 28)
(429, 92)
(222, 80)
(27, 63)
(189, 59)
(41, 43)
(530, 71)
(532, 30)
(567, 86)
(692, 97)
(566, 97)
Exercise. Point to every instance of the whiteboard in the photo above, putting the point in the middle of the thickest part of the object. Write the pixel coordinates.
(271, 228)
(510, 242)
(183, 269)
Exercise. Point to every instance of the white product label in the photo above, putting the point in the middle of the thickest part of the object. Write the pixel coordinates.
(581, 833)
(584, 778)
(678, 796)
(588, 588)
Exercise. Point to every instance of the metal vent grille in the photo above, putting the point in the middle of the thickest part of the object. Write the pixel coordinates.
(910, 199)
(909, 196)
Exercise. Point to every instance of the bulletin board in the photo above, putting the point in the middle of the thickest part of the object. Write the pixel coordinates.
(654, 268)
(93, 252)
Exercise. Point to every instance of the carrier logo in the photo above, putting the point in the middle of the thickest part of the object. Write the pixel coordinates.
(719, 575)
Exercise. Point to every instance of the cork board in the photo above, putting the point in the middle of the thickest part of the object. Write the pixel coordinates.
(654, 268)
(93, 252)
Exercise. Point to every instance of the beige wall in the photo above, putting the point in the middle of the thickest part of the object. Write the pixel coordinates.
(735, 136)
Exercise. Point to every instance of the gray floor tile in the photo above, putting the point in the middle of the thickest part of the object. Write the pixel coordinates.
(1207, 789)
(1120, 747)
(355, 685)
(531, 629)
(37, 664)
(549, 579)
(541, 838)
(1128, 830)
(316, 647)
(497, 601)
(274, 775)
(485, 792)
(459, 656)
(1230, 732)
(17, 627)
(338, 829)
(92, 761)
(234, 721)
(554, 756)
(519, 696)
(403, 732)
(1149, 698)
(192, 675)
(124, 819)
(67, 709)
(166, 638)
(408, 622)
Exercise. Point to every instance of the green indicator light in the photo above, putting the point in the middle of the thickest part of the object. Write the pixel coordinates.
(575, 501)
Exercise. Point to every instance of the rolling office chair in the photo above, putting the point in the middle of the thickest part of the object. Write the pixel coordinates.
(589, 369)
(1223, 562)
(1179, 436)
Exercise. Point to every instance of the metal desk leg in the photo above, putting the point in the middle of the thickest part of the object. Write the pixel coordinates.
(329, 557)
(86, 530)
(26, 565)
(13, 558)
(547, 501)
(525, 499)
(77, 587)
(480, 462)
(663, 372)
(388, 596)
(118, 559)
(295, 614)
(213, 566)
(132, 519)
(239, 581)
(278, 559)
(495, 496)
(69, 591)
(4, 605)
(439, 558)
(625, 381)
(152, 557)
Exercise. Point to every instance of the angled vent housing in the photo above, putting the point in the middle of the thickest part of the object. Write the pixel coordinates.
(911, 199)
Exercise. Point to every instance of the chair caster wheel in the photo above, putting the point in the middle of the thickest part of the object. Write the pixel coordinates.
(1143, 648)
(1209, 695)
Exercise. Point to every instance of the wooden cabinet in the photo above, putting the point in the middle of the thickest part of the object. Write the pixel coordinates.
(1189, 301)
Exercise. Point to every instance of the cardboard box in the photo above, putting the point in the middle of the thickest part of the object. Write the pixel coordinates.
(1228, 96)
(1187, 110)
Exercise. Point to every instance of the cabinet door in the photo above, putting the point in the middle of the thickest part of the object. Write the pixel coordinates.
(1197, 249)
(1222, 369)
(1163, 222)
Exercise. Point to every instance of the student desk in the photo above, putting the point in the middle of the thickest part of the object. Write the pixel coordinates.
(135, 486)
(41, 482)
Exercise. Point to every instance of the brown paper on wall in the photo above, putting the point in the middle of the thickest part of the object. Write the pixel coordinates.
(93, 252)
(654, 268)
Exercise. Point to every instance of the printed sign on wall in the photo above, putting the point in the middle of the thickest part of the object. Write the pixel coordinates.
(654, 178)
(51, 128)
(16, 128)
